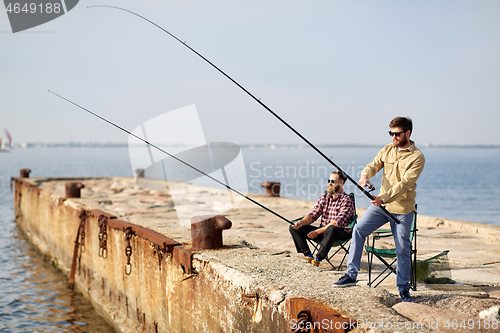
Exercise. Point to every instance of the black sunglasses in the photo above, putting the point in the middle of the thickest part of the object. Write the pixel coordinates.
(396, 133)
(331, 181)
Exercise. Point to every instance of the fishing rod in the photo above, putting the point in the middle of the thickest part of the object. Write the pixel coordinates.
(258, 101)
(174, 157)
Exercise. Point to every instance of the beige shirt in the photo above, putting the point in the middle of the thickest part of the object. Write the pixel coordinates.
(401, 171)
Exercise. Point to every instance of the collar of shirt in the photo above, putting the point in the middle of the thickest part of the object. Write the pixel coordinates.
(411, 148)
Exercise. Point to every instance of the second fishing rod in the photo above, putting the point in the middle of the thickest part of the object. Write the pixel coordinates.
(175, 158)
(258, 101)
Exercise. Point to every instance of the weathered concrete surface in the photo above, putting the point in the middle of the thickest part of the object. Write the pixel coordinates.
(160, 294)
(441, 320)
(253, 283)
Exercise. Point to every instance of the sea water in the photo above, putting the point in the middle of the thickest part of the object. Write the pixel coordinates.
(34, 294)
(457, 183)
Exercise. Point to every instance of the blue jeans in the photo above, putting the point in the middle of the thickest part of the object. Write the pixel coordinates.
(372, 219)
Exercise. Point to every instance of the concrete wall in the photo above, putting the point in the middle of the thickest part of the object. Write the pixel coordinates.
(167, 290)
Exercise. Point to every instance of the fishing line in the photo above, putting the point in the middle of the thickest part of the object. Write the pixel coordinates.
(257, 100)
(174, 157)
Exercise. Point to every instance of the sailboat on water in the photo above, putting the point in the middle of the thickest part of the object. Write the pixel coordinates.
(3, 148)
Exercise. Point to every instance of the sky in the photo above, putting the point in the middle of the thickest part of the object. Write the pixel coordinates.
(336, 71)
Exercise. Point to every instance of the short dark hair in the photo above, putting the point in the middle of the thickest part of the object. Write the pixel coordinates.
(404, 122)
(341, 175)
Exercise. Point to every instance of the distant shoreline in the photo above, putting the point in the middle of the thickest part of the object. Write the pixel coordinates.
(251, 146)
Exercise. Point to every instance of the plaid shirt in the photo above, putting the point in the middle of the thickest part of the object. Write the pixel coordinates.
(340, 209)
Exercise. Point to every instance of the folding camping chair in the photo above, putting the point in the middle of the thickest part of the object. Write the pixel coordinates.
(390, 254)
(341, 244)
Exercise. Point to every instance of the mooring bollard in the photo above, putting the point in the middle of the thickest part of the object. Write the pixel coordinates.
(206, 231)
(272, 188)
(24, 173)
(73, 189)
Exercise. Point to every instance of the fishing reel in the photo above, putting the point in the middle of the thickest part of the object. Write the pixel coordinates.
(370, 188)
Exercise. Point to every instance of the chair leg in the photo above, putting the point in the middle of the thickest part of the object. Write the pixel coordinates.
(345, 255)
(328, 261)
(328, 258)
(413, 282)
(369, 270)
(333, 255)
(341, 247)
(370, 262)
(315, 247)
(413, 278)
(413, 260)
(388, 267)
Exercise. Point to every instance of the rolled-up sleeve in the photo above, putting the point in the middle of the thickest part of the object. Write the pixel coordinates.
(376, 165)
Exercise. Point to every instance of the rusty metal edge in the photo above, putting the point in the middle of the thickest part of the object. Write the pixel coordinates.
(319, 313)
(113, 221)
(24, 181)
(180, 254)
(184, 257)
(35, 182)
(28, 182)
(154, 237)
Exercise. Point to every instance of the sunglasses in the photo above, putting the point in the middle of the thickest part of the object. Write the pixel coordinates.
(331, 181)
(396, 134)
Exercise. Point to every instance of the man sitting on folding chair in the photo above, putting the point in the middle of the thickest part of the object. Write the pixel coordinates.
(336, 209)
(402, 163)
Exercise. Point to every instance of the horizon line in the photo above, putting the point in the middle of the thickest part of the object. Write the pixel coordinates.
(249, 145)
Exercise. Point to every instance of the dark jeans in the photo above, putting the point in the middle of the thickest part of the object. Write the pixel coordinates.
(332, 234)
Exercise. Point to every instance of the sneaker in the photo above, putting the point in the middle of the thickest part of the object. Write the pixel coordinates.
(315, 262)
(345, 281)
(309, 258)
(405, 296)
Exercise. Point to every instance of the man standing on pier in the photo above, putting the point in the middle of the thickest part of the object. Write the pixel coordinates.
(336, 209)
(402, 163)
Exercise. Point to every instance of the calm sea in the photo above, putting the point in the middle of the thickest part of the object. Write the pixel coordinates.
(461, 184)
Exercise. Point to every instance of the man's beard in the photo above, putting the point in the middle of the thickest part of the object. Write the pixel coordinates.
(403, 142)
(335, 189)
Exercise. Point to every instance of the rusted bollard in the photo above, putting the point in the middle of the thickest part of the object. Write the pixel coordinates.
(24, 173)
(272, 188)
(73, 189)
(206, 231)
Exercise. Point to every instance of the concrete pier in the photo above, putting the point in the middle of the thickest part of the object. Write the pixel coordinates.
(146, 278)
